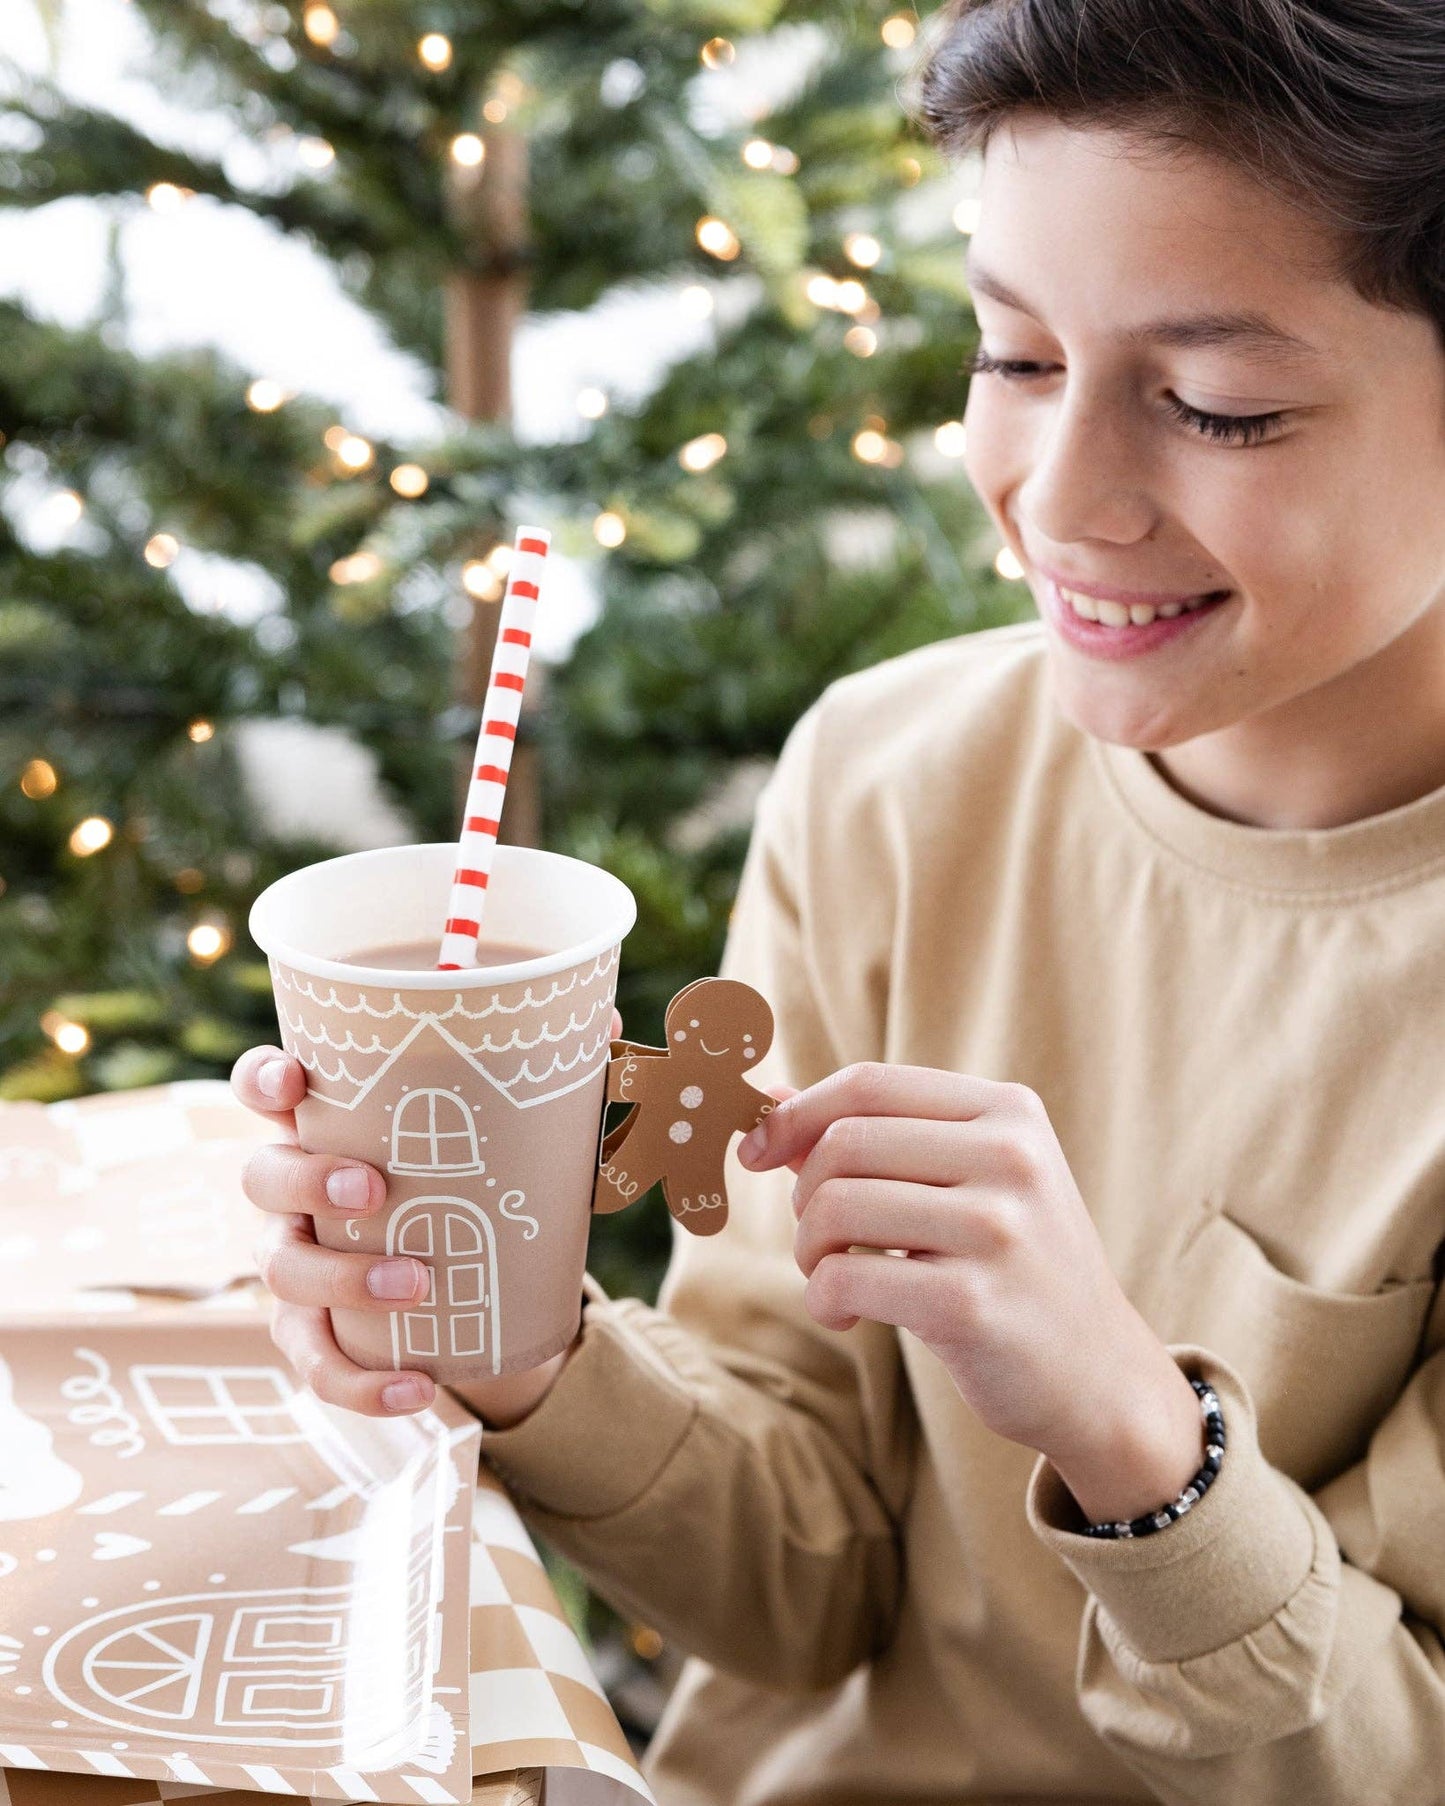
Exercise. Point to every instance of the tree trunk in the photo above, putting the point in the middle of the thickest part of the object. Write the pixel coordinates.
(483, 301)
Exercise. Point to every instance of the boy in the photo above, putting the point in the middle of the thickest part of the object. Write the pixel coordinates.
(1107, 950)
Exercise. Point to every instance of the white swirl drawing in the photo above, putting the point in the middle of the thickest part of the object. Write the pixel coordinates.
(97, 1403)
(510, 1204)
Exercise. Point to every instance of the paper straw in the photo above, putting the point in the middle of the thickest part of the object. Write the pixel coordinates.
(488, 787)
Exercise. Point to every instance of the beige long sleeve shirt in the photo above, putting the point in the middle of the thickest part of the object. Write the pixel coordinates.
(1237, 1033)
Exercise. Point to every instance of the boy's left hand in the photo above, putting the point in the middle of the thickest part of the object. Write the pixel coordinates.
(1005, 1278)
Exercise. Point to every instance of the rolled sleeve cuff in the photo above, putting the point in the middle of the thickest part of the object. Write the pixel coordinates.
(1229, 1565)
(614, 1418)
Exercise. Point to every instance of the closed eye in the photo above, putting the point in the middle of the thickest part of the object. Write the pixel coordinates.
(1224, 429)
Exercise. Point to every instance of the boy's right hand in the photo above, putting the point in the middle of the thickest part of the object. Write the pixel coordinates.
(309, 1281)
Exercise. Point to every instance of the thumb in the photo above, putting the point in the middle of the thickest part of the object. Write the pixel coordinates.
(780, 1094)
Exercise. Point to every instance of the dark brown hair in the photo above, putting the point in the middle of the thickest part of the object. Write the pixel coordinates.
(1339, 105)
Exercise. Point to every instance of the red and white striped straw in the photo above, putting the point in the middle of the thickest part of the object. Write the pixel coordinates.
(488, 787)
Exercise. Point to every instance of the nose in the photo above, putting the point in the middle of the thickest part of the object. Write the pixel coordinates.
(1088, 478)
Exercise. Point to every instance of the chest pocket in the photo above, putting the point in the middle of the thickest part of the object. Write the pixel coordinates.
(1322, 1367)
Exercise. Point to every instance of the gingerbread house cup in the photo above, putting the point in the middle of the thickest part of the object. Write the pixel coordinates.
(478, 1093)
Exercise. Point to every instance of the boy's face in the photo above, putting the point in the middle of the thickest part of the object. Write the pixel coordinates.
(1328, 535)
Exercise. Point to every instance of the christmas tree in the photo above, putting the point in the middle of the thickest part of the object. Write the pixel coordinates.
(785, 505)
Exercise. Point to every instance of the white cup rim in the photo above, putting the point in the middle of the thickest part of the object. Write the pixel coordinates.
(278, 947)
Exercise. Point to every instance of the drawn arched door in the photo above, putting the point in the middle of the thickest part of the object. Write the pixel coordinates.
(463, 1315)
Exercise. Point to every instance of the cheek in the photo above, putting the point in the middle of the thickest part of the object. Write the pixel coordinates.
(995, 457)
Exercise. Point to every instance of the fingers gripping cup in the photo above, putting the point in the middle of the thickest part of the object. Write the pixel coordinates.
(478, 1092)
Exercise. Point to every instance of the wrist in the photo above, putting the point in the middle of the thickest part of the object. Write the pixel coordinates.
(502, 1402)
(1141, 1454)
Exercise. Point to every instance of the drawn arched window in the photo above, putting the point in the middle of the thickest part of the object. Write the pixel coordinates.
(433, 1132)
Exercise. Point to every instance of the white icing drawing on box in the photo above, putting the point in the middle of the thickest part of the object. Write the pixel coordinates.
(468, 1321)
(34, 1481)
(190, 1405)
(115, 1545)
(432, 1131)
(98, 1403)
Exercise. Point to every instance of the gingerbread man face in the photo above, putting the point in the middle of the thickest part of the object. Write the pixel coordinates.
(718, 1019)
(690, 1098)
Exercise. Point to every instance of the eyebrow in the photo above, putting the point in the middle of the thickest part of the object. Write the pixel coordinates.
(1243, 331)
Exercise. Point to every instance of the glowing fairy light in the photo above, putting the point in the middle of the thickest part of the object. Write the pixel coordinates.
(717, 53)
(609, 529)
(468, 150)
(161, 549)
(702, 453)
(321, 25)
(409, 480)
(1007, 565)
(951, 439)
(435, 52)
(482, 581)
(717, 238)
(91, 836)
(862, 249)
(264, 396)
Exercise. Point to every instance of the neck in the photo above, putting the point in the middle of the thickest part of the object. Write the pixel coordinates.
(1370, 740)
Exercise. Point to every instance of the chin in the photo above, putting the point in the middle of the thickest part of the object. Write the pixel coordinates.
(1139, 723)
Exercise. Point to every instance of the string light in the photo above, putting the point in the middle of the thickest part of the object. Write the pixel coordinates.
(315, 153)
(264, 396)
(200, 731)
(91, 835)
(757, 153)
(873, 446)
(321, 25)
(591, 403)
(39, 780)
(717, 238)
(161, 550)
(353, 451)
(207, 941)
(822, 291)
(950, 438)
(1007, 565)
(910, 172)
(435, 51)
(861, 341)
(717, 53)
(966, 216)
(468, 150)
(360, 567)
(166, 197)
(862, 249)
(189, 880)
(785, 162)
(850, 296)
(70, 1037)
(409, 480)
(702, 453)
(898, 32)
(495, 111)
(609, 529)
(64, 509)
(479, 579)
(334, 437)
(696, 301)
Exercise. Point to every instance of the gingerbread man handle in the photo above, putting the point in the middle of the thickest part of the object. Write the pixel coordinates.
(688, 1100)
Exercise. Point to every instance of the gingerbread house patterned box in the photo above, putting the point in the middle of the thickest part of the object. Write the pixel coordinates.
(479, 1093)
(211, 1577)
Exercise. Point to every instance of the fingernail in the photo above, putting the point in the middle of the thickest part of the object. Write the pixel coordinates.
(404, 1395)
(270, 1079)
(392, 1279)
(751, 1147)
(349, 1188)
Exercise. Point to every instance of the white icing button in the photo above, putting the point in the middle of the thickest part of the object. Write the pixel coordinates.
(680, 1132)
(691, 1097)
(750, 1053)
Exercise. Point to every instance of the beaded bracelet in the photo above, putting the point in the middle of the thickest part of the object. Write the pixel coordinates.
(1197, 1487)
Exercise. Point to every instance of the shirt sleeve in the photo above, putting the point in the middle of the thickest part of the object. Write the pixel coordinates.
(721, 1467)
(1271, 1644)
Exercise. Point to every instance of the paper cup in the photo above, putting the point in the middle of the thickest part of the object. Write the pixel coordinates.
(479, 1094)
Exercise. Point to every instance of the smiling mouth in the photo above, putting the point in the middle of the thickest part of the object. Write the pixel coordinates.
(711, 1050)
(1137, 614)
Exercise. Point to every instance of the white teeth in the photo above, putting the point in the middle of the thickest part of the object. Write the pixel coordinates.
(1116, 614)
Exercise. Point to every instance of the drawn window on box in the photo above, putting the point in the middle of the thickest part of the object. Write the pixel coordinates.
(226, 1675)
(218, 1404)
(467, 1320)
(433, 1132)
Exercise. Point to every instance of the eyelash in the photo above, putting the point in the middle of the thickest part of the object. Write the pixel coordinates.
(1224, 429)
